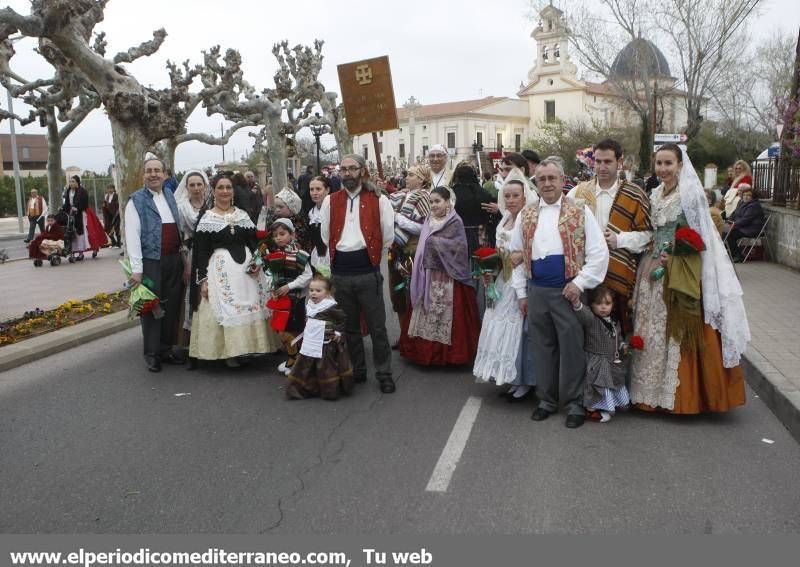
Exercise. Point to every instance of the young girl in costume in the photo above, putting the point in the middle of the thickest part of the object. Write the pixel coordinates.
(605, 389)
(291, 272)
(323, 367)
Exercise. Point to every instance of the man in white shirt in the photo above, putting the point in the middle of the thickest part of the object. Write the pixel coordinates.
(357, 224)
(622, 210)
(437, 160)
(157, 260)
(564, 254)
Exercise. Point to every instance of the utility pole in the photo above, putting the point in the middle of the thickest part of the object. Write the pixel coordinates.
(222, 134)
(15, 159)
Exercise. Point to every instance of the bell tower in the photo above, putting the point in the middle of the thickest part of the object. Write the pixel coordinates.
(552, 45)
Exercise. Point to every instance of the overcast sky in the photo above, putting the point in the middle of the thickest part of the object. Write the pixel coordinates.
(439, 51)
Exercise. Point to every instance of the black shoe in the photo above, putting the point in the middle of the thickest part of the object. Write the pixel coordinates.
(359, 379)
(172, 358)
(191, 363)
(153, 364)
(26, 241)
(540, 414)
(575, 421)
(396, 345)
(387, 385)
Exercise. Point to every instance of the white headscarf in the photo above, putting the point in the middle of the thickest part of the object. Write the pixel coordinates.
(188, 216)
(516, 174)
(722, 294)
(291, 199)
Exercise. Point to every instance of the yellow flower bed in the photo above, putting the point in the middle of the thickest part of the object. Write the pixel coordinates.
(68, 313)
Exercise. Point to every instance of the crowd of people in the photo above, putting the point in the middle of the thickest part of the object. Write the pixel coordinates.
(594, 297)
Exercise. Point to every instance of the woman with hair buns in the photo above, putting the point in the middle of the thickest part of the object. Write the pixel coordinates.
(230, 303)
(444, 324)
(688, 303)
(411, 207)
(499, 347)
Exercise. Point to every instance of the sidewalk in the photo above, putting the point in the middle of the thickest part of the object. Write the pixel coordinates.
(23, 287)
(9, 228)
(772, 361)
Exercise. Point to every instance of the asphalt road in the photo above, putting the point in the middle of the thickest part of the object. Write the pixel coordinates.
(91, 442)
(15, 249)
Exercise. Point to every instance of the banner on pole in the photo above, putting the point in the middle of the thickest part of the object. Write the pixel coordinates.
(368, 96)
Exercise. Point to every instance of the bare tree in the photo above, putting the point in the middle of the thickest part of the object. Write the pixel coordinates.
(60, 104)
(597, 37)
(707, 37)
(140, 116)
(281, 109)
(335, 118)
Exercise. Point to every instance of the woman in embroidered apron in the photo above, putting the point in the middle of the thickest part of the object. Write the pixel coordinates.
(444, 323)
(688, 304)
(499, 344)
(230, 317)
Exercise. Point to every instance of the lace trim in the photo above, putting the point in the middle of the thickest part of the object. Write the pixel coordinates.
(654, 372)
(664, 210)
(212, 222)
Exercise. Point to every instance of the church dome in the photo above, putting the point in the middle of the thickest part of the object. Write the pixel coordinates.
(640, 52)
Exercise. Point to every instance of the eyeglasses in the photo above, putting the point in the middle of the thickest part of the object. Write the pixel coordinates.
(547, 179)
(350, 169)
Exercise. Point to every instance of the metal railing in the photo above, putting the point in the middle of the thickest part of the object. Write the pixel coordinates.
(777, 180)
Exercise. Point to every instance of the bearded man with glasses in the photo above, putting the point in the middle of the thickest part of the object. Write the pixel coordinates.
(357, 224)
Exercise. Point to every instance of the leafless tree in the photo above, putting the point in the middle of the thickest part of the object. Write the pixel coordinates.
(281, 109)
(60, 104)
(140, 116)
(706, 37)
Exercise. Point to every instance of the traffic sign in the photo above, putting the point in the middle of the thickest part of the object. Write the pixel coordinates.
(664, 138)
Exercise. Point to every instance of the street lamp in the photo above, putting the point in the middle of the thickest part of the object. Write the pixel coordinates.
(317, 130)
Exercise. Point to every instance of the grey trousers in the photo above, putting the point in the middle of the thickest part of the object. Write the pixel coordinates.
(359, 294)
(161, 334)
(557, 341)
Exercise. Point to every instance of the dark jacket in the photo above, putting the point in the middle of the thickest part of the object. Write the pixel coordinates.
(748, 218)
(81, 204)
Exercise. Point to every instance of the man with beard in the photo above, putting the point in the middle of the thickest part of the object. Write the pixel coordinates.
(358, 226)
(622, 210)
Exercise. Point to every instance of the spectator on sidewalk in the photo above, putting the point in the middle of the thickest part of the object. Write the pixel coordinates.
(37, 210)
(746, 222)
(716, 214)
(111, 215)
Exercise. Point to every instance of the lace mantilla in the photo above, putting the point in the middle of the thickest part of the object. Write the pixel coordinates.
(212, 222)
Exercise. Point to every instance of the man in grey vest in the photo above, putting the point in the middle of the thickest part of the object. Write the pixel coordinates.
(157, 260)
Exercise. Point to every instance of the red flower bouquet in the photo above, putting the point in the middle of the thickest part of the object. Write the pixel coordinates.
(488, 263)
(636, 342)
(687, 241)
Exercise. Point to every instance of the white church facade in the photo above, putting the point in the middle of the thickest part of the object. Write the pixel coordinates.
(553, 91)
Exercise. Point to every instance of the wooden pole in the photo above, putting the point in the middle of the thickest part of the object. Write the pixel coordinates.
(378, 161)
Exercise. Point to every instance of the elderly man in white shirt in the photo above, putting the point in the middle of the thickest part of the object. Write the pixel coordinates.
(565, 254)
(357, 224)
(157, 259)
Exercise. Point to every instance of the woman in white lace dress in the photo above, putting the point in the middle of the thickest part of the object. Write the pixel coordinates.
(694, 368)
(502, 328)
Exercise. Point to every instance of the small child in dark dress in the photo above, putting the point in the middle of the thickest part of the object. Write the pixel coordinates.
(605, 348)
(322, 368)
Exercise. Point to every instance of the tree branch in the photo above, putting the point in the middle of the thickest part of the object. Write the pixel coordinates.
(143, 49)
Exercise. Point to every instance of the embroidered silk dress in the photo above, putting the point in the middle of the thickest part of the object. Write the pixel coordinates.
(232, 321)
(662, 375)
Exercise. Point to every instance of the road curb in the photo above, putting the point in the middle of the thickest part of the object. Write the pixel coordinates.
(778, 393)
(15, 236)
(26, 351)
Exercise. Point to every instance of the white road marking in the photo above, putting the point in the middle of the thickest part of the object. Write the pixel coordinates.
(451, 454)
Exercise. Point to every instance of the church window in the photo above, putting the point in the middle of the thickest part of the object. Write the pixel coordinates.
(545, 55)
(366, 151)
(499, 141)
(451, 139)
(425, 150)
(557, 52)
(550, 82)
(479, 138)
(402, 150)
(550, 110)
(517, 142)
(26, 152)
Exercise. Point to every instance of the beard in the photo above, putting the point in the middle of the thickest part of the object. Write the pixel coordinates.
(351, 183)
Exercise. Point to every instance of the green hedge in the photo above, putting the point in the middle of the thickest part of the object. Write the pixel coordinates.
(8, 199)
